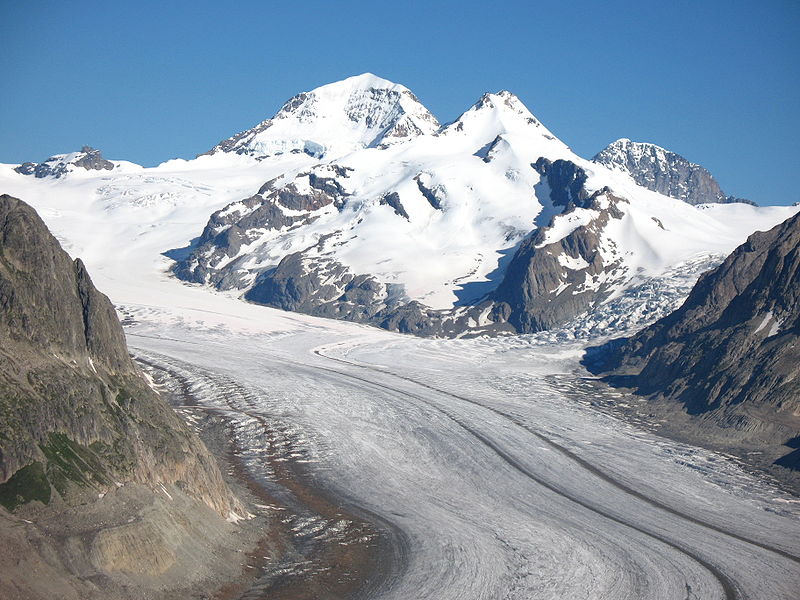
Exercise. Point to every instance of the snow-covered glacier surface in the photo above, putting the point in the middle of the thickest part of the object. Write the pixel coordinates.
(495, 484)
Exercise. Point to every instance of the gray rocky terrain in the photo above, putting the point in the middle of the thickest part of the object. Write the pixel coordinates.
(105, 492)
(535, 279)
(664, 172)
(728, 358)
(57, 166)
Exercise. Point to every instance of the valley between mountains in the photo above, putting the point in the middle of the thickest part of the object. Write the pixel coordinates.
(276, 280)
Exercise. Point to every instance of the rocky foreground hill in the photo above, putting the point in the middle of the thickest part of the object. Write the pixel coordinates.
(105, 492)
(729, 357)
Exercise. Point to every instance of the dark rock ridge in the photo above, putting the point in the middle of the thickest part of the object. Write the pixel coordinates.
(58, 166)
(664, 172)
(548, 282)
(432, 195)
(730, 355)
(73, 402)
(393, 199)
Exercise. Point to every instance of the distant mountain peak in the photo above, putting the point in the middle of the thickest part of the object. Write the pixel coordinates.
(337, 118)
(503, 101)
(503, 113)
(664, 171)
(59, 165)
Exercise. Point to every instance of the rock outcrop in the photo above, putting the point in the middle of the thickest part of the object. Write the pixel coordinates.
(275, 210)
(552, 279)
(59, 165)
(664, 172)
(78, 422)
(731, 353)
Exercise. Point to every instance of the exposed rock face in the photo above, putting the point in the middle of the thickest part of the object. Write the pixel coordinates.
(273, 211)
(76, 411)
(393, 199)
(664, 172)
(326, 288)
(731, 352)
(61, 164)
(549, 282)
(88, 451)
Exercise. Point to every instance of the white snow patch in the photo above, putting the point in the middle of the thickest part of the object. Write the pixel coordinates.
(767, 318)
(572, 262)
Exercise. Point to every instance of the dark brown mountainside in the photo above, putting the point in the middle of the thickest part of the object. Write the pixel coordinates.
(731, 353)
(79, 422)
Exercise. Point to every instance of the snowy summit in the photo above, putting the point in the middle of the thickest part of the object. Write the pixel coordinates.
(363, 111)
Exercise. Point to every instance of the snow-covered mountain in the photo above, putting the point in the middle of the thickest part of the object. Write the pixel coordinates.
(664, 172)
(418, 235)
(364, 111)
(352, 202)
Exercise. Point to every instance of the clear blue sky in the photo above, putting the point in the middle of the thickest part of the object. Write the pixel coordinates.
(718, 82)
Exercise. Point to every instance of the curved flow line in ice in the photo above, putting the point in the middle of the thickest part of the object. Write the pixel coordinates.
(572, 456)
(728, 586)
(237, 398)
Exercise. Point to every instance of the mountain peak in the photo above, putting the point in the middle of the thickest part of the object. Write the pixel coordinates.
(626, 145)
(503, 113)
(504, 101)
(59, 165)
(331, 120)
(663, 171)
(362, 81)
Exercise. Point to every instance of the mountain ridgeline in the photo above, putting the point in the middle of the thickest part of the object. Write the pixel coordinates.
(80, 422)
(664, 172)
(486, 225)
(361, 206)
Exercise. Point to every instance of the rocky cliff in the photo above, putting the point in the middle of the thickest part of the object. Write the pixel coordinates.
(730, 354)
(552, 279)
(80, 426)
